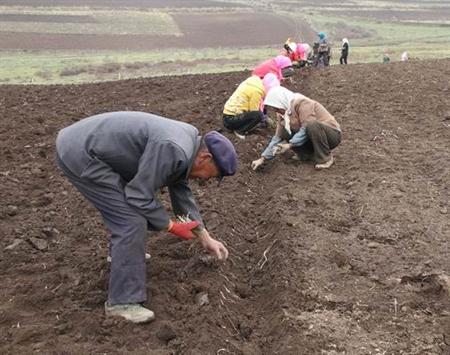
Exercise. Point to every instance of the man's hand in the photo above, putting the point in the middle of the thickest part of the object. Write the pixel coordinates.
(257, 163)
(215, 248)
(212, 246)
(183, 230)
(281, 148)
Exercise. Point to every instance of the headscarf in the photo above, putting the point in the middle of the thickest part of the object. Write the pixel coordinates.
(280, 97)
(292, 46)
(270, 81)
(322, 35)
(282, 61)
(344, 40)
(405, 56)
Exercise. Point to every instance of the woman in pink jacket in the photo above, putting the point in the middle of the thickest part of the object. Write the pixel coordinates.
(281, 66)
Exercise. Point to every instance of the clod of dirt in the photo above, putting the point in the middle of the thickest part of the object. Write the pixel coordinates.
(340, 259)
(373, 245)
(14, 244)
(11, 210)
(50, 232)
(166, 333)
(39, 244)
(202, 299)
(444, 281)
(244, 331)
(243, 291)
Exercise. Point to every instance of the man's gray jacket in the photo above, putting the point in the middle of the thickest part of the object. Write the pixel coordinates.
(137, 153)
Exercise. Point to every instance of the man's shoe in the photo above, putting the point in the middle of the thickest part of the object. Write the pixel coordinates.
(134, 312)
(240, 136)
(147, 257)
(325, 165)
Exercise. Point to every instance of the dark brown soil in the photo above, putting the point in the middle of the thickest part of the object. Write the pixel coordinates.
(356, 256)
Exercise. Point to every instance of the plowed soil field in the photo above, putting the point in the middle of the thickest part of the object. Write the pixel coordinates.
(199, 31)
(353, 260)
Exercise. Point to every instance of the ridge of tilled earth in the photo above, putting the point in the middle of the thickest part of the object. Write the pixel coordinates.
(342, 261)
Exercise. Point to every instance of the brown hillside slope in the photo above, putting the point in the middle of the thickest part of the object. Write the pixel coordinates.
(355, 255)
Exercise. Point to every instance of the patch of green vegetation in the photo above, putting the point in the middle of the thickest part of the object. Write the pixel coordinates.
(63, 67)
(381, 32)
(103, 22)
(370, 54)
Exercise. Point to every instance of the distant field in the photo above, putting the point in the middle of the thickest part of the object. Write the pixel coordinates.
(41, 67)
(136, 30)
(65, 41)
(124, 3)
(88, 22)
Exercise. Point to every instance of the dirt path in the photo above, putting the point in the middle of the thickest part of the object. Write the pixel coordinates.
(355, 255)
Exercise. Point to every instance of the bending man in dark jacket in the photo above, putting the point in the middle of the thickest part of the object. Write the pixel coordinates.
(119, 161)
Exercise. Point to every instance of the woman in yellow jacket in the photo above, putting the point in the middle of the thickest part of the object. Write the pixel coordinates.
(244, 109)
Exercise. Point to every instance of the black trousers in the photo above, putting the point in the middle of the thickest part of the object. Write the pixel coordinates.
(322, 140)
(326, 58)
(243, 123)
(343, 59)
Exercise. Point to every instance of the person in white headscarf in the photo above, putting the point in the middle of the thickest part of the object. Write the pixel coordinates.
(405, 56)
(344, 51)
(303, 126)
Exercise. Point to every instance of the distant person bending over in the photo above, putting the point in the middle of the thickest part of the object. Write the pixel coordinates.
(344, 51)
(305, 52)
(243, 111)
(298, 53)
(281, 66)
(386, 58)
(303, 126)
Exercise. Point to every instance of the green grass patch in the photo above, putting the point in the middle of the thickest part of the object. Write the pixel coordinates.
(50, 67)
(379, 32)
(103, 22)
(370, 54)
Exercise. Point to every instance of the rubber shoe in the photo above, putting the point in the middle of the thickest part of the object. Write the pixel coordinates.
(325, 165)
(240, 136)
(134, 312)
(147, 257)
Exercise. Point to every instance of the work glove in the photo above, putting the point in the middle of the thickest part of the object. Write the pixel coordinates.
(281, 148)
(183, 230)
(257, 163)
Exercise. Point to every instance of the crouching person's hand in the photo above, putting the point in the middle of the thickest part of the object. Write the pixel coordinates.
(256, 164)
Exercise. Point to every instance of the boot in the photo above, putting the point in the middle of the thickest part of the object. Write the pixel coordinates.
(239, 135)
(134, 312)
(325, 165)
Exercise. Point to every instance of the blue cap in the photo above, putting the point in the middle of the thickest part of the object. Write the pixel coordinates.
(223, 152)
